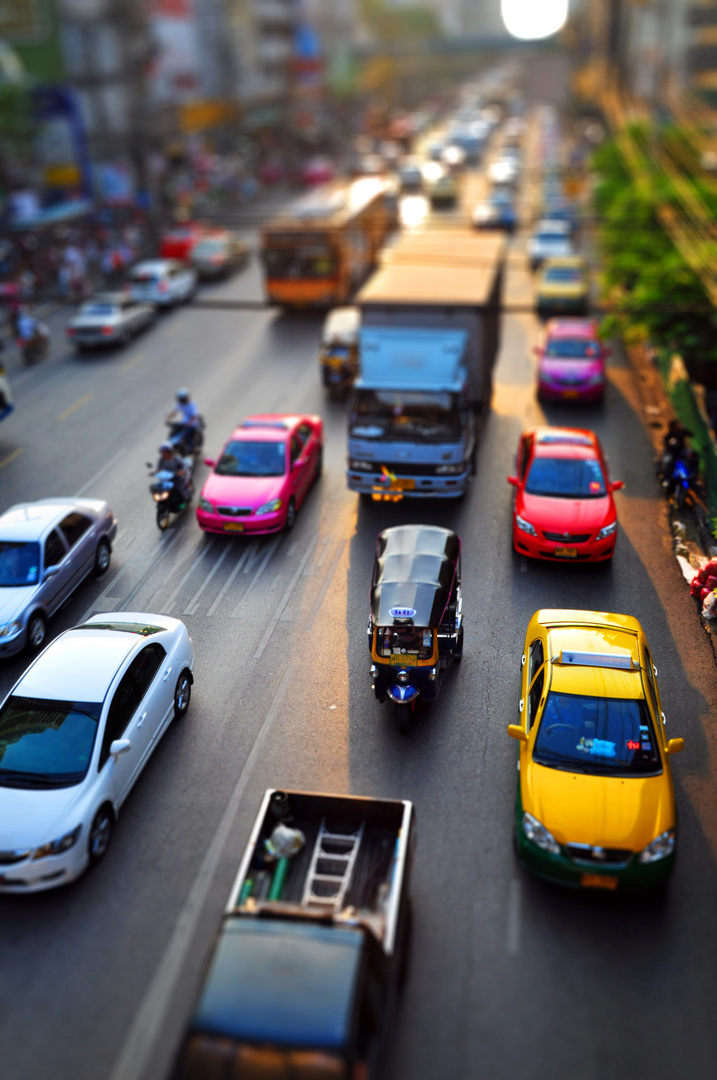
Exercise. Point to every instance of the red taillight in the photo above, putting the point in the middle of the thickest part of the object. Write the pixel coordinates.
(163, 286)
(107, 330)
(71, 331)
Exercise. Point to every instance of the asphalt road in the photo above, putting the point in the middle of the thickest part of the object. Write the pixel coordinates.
(508, 976)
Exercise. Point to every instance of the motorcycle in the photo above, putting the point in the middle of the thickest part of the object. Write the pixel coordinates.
(186, 441)
(677, 472)
(34, 348)
(170, 494)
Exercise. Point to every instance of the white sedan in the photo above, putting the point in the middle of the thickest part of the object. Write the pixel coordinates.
(164, 282)
(76, 730)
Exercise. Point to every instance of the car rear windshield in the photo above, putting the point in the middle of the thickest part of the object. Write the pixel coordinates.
(596, 735)
(19, 563)
(566, 479)
(98, 309)
(45, 743)
(573, 348)
(244, 458)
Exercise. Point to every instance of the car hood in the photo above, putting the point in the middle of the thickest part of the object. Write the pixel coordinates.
(558, 515)
(607, 811)
(562, 288)
(30, 816)
(569, 370)
(13, 601)
(247, 491)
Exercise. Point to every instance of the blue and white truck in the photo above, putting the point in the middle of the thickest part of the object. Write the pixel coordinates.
(427, 345)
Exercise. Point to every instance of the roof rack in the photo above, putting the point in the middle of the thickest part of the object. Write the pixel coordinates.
(621, 660)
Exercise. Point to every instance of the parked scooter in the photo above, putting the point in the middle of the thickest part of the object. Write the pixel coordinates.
(679, 477)
(172, 487)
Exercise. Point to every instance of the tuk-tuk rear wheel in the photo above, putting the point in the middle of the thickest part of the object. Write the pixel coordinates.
(457, 653)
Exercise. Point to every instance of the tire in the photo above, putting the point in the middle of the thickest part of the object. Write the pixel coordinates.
(680, 495)
(457, 653)
(100, 837)
(182, 695)
(162, 518)
(290, 516)
(403, 719)
(319, 463)
(103, 556)
(36, 632)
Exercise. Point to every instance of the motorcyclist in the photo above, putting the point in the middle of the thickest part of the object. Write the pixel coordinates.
(674, 447)
(186, 419)
(171, 462)
(29, 329)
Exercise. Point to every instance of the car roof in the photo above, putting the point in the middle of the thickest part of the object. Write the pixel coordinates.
(552, 226)
(572, 328)
(28, 521)
(79, 665)
(603, 652)
(155, 264)
(269, 427)
(291, 984)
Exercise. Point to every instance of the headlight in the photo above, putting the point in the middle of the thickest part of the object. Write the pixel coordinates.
(524, 525)
(449, 470)
(595, 379)
(540, 835)
(607, 531)
(269, 507)
(361, 466)
(206, 506)
(662, 846)
(10, 629)
(57, 847)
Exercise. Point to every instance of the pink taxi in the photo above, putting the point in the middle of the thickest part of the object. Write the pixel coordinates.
(262, 475)
(571, 361)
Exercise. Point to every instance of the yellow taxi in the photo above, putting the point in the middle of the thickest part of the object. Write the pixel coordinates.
(595, 803)
(563, 286)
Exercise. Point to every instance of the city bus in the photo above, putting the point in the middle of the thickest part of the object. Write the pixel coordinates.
(318, 251)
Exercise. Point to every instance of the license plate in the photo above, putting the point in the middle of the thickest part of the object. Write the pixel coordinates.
(598, 881)
(402, 485)
(404, 660)
(566, 553)
(571, 393)
(233, 526)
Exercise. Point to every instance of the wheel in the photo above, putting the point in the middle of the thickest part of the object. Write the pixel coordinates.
(403, 719)
(182, 694)
(102, 558)
(36, 632)
(290, 516)
(457, 653)
(319, 463)
(680, 494)
(100, 834)
(162, 517)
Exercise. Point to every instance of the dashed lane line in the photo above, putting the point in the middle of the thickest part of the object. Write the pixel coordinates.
(12, 457)
(285, 598)
(79, 404)
(169, 604)
(270, 549)
(194, 602)
(132, 363)
(228, 583)
(326, 585)
(151, 1015)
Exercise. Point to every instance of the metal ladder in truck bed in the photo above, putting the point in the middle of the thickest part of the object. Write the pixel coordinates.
(332, 866)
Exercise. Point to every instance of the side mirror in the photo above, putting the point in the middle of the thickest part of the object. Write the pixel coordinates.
(516, 732)
(210, 462)
(50, 572)
(119, 746)
(675, 746)
(513, 480)
(617, 485)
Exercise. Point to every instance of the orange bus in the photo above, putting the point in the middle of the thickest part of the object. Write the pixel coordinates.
(324, 245)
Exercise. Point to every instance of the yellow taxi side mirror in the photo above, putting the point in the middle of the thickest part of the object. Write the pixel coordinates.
(517, 732)
(674, 746)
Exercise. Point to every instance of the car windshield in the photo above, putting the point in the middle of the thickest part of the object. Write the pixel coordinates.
(292, 264)
(405, 415)
(19, 563)
(596, 735)
(244, 458)
(46, 743)
(98, 309)
(573, 348)
(564, 478)
(563, 274)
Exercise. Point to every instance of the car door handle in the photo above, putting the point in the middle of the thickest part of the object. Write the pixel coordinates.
(167, 673)
(142, 719)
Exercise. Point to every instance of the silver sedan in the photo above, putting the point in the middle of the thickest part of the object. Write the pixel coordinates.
(47, 549)
(109, 319)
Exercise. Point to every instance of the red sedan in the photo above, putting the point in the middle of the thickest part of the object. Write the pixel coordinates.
(564, 509)
(262, 475)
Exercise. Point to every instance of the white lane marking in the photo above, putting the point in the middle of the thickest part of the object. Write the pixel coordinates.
(127, 566)
(227, 584)
(169, 604)
(523, 565)
(167, 546)
(326, 585)
(194, 602)
(512, 941)
(150, 1018)
(325, 543)
(259, 571)
(291, 549)
(101, 472)
(285, 598)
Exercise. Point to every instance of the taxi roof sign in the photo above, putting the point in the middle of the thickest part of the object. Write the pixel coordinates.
(621, 660)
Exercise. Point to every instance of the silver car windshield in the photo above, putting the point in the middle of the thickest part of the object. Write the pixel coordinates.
(19, 563)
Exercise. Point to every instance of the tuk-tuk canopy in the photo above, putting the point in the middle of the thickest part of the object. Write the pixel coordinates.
(414, 575)
(341, 326)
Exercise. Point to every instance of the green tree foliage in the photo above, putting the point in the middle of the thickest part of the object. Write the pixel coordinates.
(17, 128)
(395, 25)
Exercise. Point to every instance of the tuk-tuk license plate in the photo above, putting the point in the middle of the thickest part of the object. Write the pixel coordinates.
(566, 553)
(404, 659)
(233, 526)
(598, 881)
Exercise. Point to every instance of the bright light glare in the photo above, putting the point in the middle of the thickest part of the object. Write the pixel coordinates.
(534, 18)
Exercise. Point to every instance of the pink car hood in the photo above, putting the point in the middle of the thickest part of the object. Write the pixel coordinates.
(249, 491)
(553, 367)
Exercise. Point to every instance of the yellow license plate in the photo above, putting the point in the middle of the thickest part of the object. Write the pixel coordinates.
(598, 881)
(233, 526)
(571, 393)
(566, 553)
(404, 660)
(403, 485)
